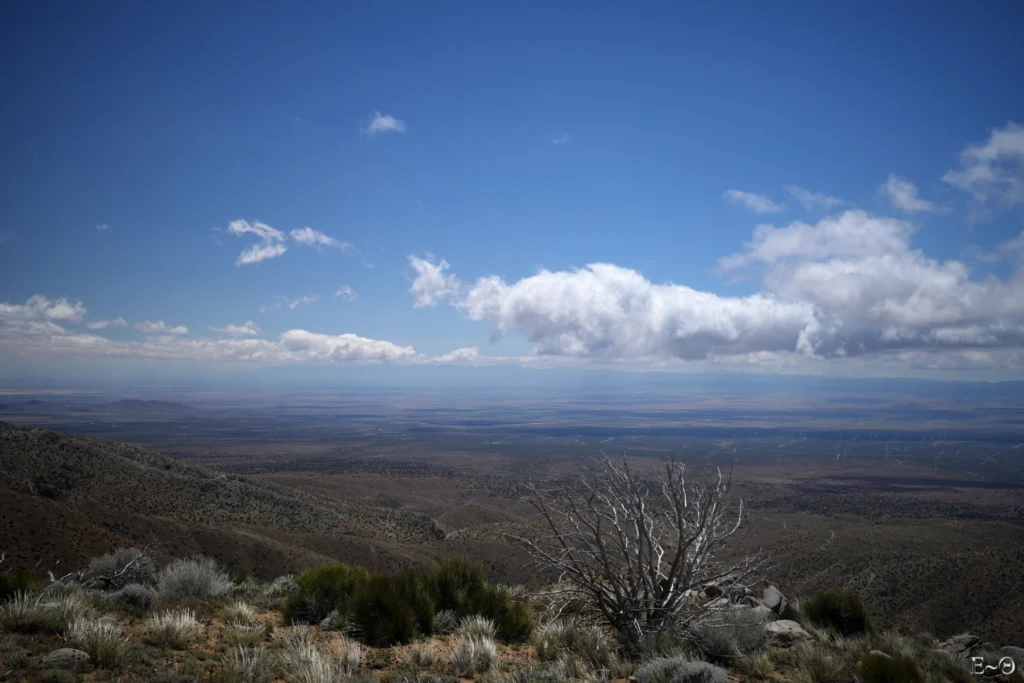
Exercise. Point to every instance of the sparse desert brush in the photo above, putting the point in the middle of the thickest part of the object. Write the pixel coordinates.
(878, 667)
(474, 654)
(942, 667)
(26, 613)
(757, 665)
(122, 567)
(304, 661)
(104, 641)
(18, 582)
(840, 609)
(174, 629)
(239, 612)
(476, 626)
(565, 635)
(420, 656)
(816, 663)
(235, 634)
(135, 595)
(679, 669)
(445, 622)
(725, 636)
(247, 665)
(198, 577)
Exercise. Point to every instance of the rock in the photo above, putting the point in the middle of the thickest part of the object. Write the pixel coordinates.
(327, 623)
(67, 658)
(959, 646)
(1014, 653)
(775, 600)
(788, 631)
(112, 624)
(765, 614)
(751, 601)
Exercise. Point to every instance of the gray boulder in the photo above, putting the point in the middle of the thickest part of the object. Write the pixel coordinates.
(67, 658)
(959, 646)
(1014, 653)
(327, 623)
(788, 632)
(774, 600)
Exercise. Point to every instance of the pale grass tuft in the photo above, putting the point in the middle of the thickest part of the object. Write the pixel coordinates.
(105, 642)
(474, 654)
(247, 665)
(476, 626)
(240, 613)
(816, 664)
(420, 656)
(242, 634)
(304, 661)
(174, 629)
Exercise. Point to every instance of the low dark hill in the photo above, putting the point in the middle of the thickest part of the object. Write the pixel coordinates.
(67, 498)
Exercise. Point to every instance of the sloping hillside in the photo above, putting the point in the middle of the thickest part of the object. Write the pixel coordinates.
(110, 490)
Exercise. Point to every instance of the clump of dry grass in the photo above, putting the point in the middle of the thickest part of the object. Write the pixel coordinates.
(174, 629)
(304, 661)
(104, 641)
(239, 612)
(474, 654)
(247, 665)
(420, 656)
(476, 626)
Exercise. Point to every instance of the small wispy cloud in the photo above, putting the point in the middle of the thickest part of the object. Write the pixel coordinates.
(160, 327)
(993, 171)
(247, 329)
(104, 324)
(103, 227)
(347, 292)
(813, 200)
(383, 123)
(315, 238)
(903, 195)
(302, 301)
(758, 203)
(560, 139)
(270, 246)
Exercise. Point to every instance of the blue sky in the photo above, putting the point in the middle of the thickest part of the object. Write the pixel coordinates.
(512, 137)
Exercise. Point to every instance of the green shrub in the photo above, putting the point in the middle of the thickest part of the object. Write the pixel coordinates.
(840, 609)
(393, 609)
(513, 620)
(878, 667)
(456, 584)
(322, 590)
(18, 582)
(679, 670)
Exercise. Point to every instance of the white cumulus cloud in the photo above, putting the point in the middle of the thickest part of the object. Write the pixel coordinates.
(383, 123)
(758, 203)
(431, 285)
(903, 195)
(993, 171)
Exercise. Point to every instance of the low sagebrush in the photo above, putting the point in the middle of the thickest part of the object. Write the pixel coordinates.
(679, 670)
(135, 595)
(198, 577)
(173, 629)
(121, 567)
(104, 641)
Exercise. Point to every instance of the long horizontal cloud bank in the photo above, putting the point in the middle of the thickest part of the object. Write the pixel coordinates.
(43, 325)
(848, 285)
